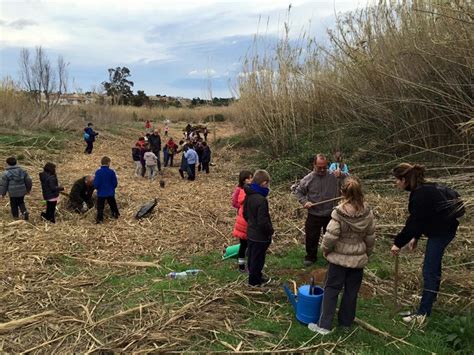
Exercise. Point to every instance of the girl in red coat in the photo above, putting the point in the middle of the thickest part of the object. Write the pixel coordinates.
(240, 228)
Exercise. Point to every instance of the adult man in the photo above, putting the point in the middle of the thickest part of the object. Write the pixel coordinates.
(192, 159)
(89, 137)
(105, 182)
(319, 185)
(80, 197)
(154, 141)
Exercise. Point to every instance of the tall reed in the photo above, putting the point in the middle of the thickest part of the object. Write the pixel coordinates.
(402, 69)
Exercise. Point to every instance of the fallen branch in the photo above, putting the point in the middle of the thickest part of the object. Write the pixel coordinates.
(117, 263)
(17, 323)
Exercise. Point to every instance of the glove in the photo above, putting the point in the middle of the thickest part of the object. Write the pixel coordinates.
(84, 207)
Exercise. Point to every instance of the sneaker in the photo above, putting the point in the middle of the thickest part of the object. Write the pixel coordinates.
(317, 329)
(415, 318)
(26, 216)
(99, 222)
(405, 313)
(242, 268)
(307, 263)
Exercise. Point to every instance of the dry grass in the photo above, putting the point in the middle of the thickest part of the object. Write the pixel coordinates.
(86, 313)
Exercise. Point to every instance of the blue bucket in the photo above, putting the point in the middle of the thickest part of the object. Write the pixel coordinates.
(308, 309)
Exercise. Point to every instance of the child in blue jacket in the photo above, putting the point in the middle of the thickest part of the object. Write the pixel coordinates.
(105, 182)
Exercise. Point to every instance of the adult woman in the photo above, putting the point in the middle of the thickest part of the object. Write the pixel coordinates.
(429, 218)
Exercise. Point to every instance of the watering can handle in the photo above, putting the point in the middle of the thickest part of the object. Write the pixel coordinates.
(291, 296)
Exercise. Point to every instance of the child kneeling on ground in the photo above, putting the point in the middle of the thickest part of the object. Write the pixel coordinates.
(259, 226)
(348, 242)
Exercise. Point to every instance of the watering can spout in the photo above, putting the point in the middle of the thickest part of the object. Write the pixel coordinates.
(291, 296)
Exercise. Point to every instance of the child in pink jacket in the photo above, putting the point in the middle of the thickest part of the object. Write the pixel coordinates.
(240, 227)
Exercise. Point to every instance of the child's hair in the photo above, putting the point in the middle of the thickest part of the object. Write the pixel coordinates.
(414, 175)
(181, 142)
(89, 124)
(204, 144)
(244, 175)
(352, 193)
(141, 138)
(105, 161)
(50, 168)
(11, 161)
(260, 176)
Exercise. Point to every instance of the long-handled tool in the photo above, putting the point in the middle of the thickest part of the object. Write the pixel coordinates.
(396, 305)
(325, 201)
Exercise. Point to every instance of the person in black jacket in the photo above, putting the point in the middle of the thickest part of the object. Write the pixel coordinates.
(154, 140)
(80, 197)
(51, 189)
(205, 157)
(260, 229)
(426, 216)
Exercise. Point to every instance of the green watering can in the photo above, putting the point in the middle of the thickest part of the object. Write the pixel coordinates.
(231, 252)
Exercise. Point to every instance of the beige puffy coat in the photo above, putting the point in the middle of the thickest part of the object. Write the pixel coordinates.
(349, 237)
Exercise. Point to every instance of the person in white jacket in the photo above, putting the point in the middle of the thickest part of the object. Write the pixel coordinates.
(150, 162)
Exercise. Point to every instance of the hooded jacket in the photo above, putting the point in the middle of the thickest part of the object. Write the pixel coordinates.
(350, 237)
(50, 186)
(15, 181)
(240, 227)
(257, 215)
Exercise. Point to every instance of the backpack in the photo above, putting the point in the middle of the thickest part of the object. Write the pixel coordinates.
(452, 206)
(86, 136)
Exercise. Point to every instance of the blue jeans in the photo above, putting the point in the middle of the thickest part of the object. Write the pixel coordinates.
(435, 248)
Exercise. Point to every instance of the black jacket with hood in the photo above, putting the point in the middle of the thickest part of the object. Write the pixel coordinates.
(257, 215)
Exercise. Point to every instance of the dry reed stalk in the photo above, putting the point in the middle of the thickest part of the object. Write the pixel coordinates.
(17, 323)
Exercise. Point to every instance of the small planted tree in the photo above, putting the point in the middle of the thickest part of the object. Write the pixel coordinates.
(119, 88)
(43, 81)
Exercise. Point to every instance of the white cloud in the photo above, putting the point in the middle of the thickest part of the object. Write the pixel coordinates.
(204, 73)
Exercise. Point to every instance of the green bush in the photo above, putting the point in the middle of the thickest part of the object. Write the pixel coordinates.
(457, 332)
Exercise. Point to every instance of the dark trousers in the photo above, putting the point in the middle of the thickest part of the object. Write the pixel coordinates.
(435, 248)
(158, 162)
(312, 230)
(243, 248)
(256, 260)
(17, 203)
(101, 205)
(168, 159)
(192, 171)
(50, 211)
(89, 147)
(338, 277)
(143, 172)
(205, 167)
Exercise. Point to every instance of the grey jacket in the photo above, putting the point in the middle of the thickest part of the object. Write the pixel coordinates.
(349, 238)
(315, 188)
(15, 181)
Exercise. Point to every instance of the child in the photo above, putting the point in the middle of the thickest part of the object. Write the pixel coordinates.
(89, 138)
(166, 129)
(51, 189)
(17, 183)
(348, 242)
(184, 163)
(240, 227)
(338, 164)
(170, 148)
(105, 182)
(150, 162)
(259, 228)
(136, 159)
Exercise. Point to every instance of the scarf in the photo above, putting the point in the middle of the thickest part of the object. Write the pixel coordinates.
(264, 191)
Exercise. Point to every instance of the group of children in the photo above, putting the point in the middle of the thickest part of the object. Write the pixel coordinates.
(347, 243)
(196, 154)
(17, 183)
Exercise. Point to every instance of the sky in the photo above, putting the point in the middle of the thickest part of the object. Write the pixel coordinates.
(177, 48)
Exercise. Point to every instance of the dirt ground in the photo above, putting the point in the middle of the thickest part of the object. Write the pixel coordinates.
(191, 217)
